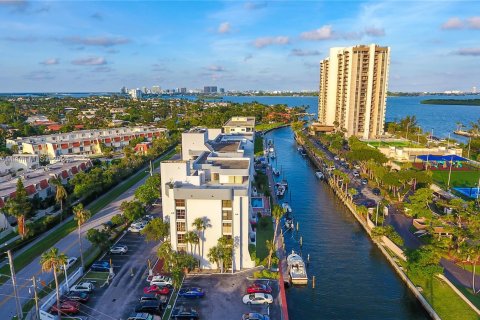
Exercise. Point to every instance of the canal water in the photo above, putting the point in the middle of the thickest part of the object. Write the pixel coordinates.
(353, 279)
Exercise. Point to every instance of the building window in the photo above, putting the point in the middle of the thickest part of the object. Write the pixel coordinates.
(226, 204)
(180, 214)
(181, 227)
(180, 202)
(226, 214)
(226, 228)
(182, 248)
(181, 238)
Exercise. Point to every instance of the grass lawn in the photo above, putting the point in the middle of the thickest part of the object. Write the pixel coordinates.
(8, 237)
(268, 126)
(98, 277)
(444, 300)
(49, 241)
(457, 179)
(474, 298)
(258, 146)
(264, 233)
(393, 144)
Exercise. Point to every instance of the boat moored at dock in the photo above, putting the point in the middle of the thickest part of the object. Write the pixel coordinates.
(296, 269)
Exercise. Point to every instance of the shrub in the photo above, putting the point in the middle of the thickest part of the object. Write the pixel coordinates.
(118, 219)
(265, 274)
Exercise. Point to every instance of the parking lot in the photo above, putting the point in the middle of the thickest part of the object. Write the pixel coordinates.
(223, 297)
(118, 300)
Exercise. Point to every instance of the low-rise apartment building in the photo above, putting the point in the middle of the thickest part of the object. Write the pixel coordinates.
(244, 125)
(18, 162)
(211, 182)
(83, 142)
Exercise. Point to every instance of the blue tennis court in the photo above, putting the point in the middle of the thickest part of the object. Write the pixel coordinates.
(468, 192)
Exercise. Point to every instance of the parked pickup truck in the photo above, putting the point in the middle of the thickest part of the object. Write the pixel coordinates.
(87, 287)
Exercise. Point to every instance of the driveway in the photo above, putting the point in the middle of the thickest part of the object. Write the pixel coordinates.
(223, 296)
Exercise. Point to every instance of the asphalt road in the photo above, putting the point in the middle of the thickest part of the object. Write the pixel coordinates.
(68, 245)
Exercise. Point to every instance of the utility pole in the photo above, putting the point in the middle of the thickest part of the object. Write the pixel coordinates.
(14, 283)
(37, 310)
(151, 168)
(468, 153)
(450, 173)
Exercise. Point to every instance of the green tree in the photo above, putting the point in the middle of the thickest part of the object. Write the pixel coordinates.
(51, 260)
(19, 206)
(99, 238)
(150, 191)
(156, 230)
(424, 261)
(277, 214)
(191, 237)
(473, 254)
(132, 210)
(419, 205)
(60, 194)
(200, 225)
(81, 215)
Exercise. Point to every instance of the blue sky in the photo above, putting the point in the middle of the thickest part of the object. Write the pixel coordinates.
(275, 45)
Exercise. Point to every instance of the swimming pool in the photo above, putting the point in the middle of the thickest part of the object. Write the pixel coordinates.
(257, 202)
(468, 192)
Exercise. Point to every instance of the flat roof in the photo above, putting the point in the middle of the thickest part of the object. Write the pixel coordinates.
(226, 146)
(240, 122)
(231, 164)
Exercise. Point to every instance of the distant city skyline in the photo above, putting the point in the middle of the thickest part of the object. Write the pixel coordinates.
(237, 45)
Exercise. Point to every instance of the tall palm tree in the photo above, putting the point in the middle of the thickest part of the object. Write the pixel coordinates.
(200, 225)
(277, 214)
(270, 245)
(60, 194)
(51, 261)
(191, 238)
(81, 215)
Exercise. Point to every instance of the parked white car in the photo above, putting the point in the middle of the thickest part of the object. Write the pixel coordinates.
(257, 298)
(136, 228)
(87, 287)
(70, 262)
(161, 281)
(119, 249)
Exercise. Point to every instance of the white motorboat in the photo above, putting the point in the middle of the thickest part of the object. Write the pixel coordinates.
(286, 207)
(280, 191)
(296, 269)
(275, 172)
(282, 183)
(319, 175)
(289, 224)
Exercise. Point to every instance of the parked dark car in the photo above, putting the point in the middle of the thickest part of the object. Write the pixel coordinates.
(376, 191)
(151, 307)
(369, 203)
(185, 314)
(76, 296)
(364, 181)
(101, 266)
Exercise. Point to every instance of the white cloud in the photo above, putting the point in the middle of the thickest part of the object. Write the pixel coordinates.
(453, 23)
(266, 41)
(474, 22)
(215, 68)
(224, 27)
(468, 52)
(96, 41)
(50, 62)
(322, 33)
(375, 32)
(304, 53)
(91, 61)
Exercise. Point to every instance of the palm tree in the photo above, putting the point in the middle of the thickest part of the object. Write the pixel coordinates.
(200, 225)
(51, 261)
(277, 214)
(166, 254)
(81, 215)
(60, 193)
(191, 238)
(270, 245)
(214, 256)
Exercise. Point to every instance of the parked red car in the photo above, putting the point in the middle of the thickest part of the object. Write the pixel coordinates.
(66, 307)
(156, 290)
(259, 288)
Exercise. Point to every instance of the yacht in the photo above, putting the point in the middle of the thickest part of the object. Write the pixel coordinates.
(296, 269)
(275, 172)
(289, 223)
(280, 191)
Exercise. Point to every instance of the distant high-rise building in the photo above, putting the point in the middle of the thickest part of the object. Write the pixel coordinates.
(135, 94)
(123, 90)
(210, 89)
(353, 90)
(222, 90)
(156, 90)
(474, 89)
(183, 90)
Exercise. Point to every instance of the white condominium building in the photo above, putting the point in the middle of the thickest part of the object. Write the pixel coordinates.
(244, 125)
(353, 90)
(211, 182)
(83, 142)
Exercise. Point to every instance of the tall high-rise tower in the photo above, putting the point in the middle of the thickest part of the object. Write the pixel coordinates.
(353, 90)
